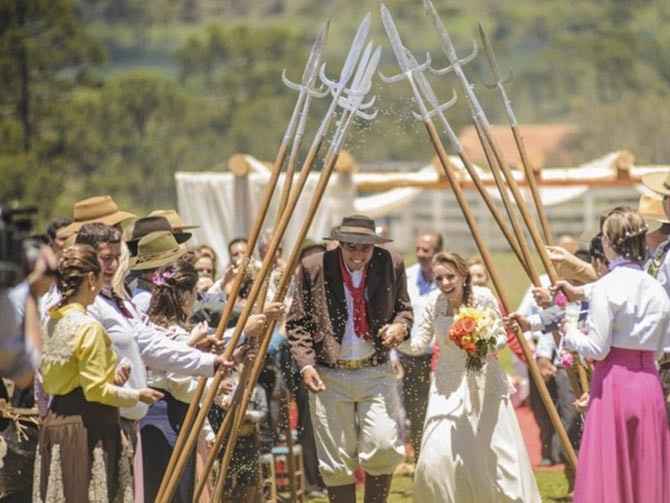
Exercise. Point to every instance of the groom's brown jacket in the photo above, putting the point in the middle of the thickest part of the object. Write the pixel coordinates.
(316, 319)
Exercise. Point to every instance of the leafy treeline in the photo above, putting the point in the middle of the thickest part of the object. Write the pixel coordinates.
(116, 95)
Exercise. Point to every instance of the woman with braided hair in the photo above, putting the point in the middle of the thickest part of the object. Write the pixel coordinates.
(172, 299)
(625, 451)
(81, 455)
(472, 450)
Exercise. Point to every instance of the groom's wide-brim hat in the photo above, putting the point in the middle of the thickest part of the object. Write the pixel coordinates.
(156, 250)
(357, 229)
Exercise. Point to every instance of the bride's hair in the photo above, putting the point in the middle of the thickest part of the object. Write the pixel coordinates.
(457, 262)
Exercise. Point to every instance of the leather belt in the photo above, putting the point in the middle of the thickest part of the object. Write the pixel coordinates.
(370, 361)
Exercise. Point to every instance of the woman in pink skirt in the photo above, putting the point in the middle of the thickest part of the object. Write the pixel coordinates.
(625, 451)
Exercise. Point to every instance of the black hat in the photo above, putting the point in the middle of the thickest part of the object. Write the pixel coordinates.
(147, 225)
(357, 229)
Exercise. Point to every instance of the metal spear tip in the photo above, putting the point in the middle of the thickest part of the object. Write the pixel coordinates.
(394, 38)
(493, 63)
(312, 65)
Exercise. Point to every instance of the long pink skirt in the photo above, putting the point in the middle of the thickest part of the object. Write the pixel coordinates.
(625, 452)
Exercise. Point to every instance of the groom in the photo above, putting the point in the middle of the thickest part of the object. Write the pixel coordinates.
(350, 307)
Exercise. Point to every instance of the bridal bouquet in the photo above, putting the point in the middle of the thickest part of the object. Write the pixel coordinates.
(472, 331)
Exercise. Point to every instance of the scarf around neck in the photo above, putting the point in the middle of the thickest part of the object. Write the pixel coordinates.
(361, 327)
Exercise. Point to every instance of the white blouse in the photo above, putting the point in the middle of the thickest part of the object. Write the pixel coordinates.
(628, 309)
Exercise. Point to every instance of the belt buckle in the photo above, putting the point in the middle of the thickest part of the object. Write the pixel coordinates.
(351, 364)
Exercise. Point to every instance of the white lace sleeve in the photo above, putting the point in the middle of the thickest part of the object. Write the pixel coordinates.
(484, 299)
(424, 334)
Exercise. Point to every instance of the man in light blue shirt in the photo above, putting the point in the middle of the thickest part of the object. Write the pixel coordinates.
(416, 378)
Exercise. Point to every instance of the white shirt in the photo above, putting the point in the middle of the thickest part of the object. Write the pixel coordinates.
(628, 309)
(142, 343)
(353, 347)
(419, 302)
(141, 300)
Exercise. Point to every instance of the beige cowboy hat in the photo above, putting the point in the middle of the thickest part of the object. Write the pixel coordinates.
(651, 209)
(659, 182)
(156, 250)
(357, 229)
(101, 209)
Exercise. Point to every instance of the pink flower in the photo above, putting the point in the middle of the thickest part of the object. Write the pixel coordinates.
(561, 300)
(567, 360)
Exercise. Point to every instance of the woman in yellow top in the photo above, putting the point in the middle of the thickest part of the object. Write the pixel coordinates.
(81, 455)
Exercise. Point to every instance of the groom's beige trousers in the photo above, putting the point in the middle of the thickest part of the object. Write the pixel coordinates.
(356, 422)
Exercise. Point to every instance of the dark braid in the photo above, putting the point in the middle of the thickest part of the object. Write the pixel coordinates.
(171, 284)
(74, 264)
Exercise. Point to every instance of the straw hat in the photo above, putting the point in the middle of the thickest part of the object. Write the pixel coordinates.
(155, 250)
(101, 209)
(659, 182)
(651, 209)
(146, 225)
(357, 229)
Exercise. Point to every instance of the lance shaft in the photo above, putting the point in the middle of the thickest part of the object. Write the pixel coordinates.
(532, 184)
(518, 138)
(227, 312)
(244, 316)
(497, 283)
(524, 254)
(281, 292)
(407, 70)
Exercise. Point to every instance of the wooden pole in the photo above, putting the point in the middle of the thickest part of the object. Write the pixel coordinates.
(497, 216)
(497, 283)
(521, 205)
(279, 296)
(532, 184)
(504, 195)
(535, 235)
(227, 312)
(194, 431)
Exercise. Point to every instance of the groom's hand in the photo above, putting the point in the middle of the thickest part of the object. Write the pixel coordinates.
(392, 335)
(312, 380)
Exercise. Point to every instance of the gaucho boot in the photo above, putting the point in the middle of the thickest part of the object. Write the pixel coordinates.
(342, 494)
(377, 488)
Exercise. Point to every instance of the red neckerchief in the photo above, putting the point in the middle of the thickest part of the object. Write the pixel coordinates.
(361, 327)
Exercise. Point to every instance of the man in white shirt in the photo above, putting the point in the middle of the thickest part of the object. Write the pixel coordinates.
(416, 376)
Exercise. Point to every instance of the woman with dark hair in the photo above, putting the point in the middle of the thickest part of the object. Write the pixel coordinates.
(81, 455)
(472, 449)
(172, 299)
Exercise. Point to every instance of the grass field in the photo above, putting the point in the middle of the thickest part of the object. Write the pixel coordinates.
(552, 484)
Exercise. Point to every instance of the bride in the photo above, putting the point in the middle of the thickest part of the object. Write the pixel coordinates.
(472, 449)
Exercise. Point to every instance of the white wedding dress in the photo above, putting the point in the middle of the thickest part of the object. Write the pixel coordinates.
(472, 450)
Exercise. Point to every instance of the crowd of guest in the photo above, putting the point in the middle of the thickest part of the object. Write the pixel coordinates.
(122, 317)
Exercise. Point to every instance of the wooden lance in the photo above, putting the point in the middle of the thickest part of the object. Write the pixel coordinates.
(337, 89)
(410, 72)
(311, 69)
